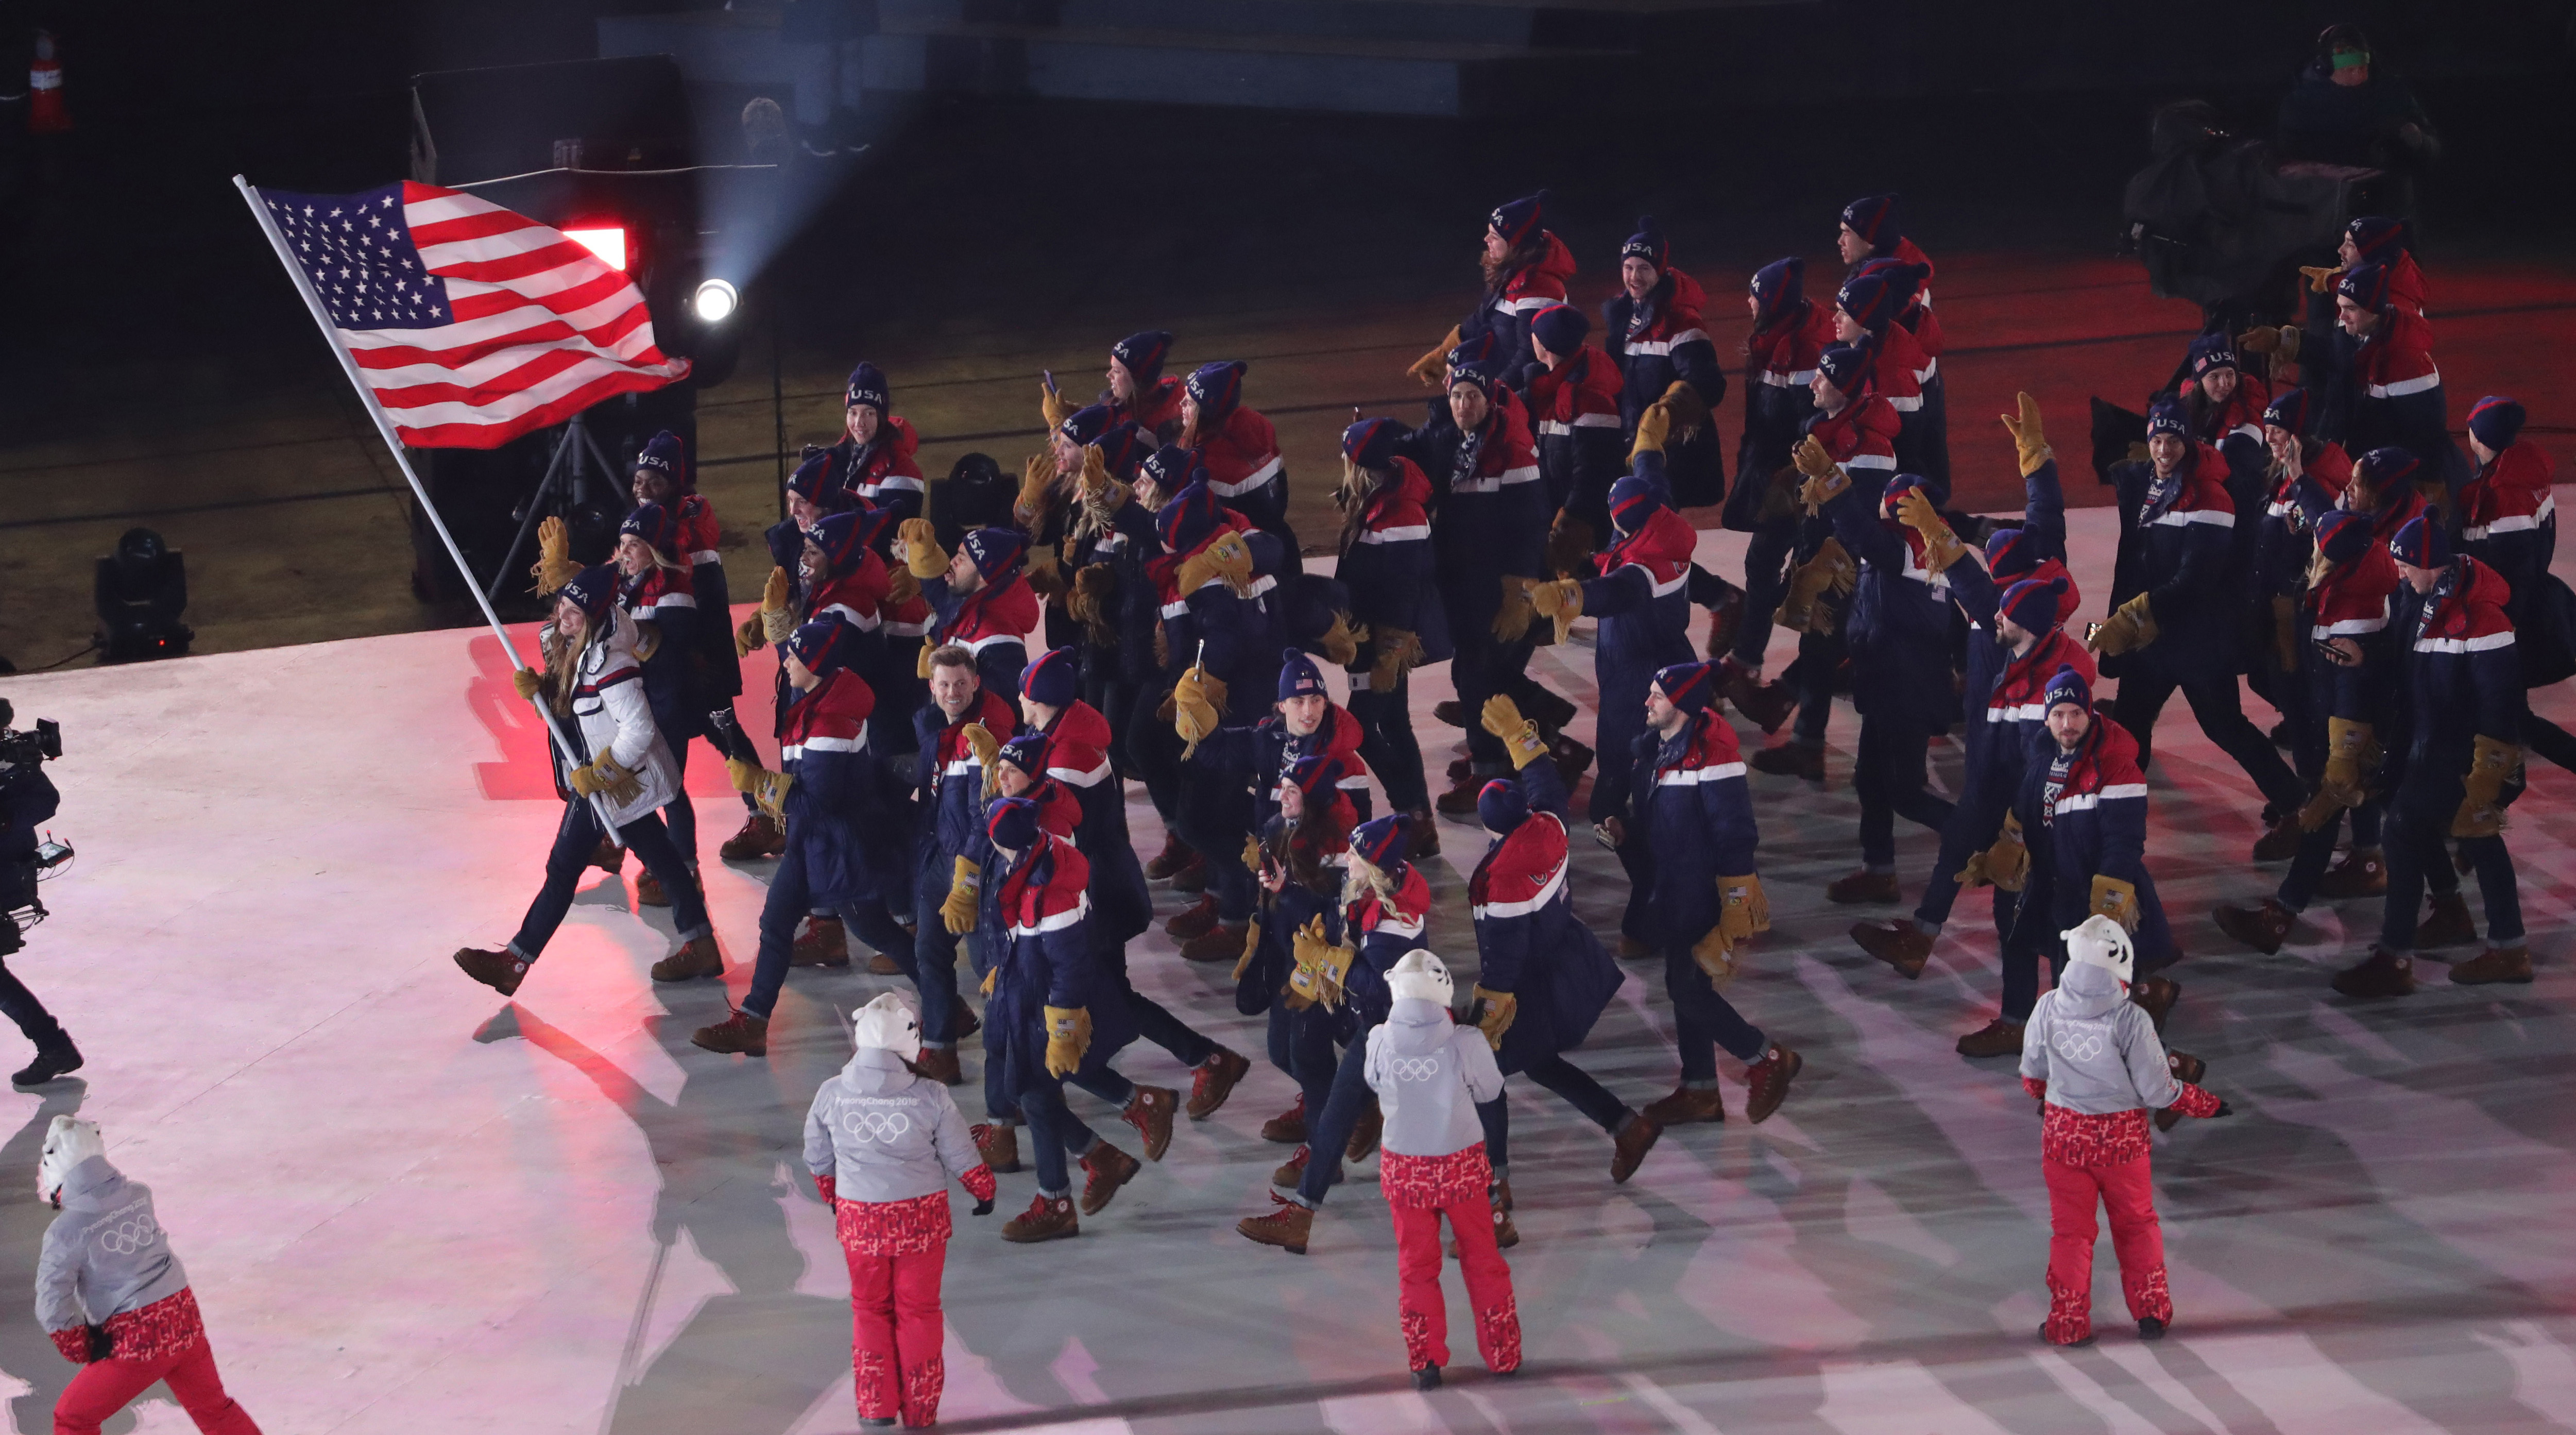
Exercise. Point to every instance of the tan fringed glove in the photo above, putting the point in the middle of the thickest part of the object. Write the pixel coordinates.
(1035, 477)
(1068, 1032)
(957, 909)
(1432, 367)
(1683, 409)
(1941, 546)
(918, 544)
(1053, 406)
(2481, 812)
(2352, 754)
(1341, 648)
(1228, 558)
(1512, 617)
(1502, 717)
(2030, 441)
(608, 778)
(1561, 601)
(1095, 591)
(554, 566)
(527, 681)
(1830, 573)
(2131, 627)
(1824, 478)
(1742, 908)
(1493, 1012)
(1654, 429)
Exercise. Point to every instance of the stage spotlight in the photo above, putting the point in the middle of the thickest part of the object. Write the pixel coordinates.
(142, 589)
(716, 301)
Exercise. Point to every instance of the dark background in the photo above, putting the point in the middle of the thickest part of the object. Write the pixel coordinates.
(135, 282)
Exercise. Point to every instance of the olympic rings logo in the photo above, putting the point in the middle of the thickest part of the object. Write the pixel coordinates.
(875, 1125)
(126, 1237)
(1414, 1068)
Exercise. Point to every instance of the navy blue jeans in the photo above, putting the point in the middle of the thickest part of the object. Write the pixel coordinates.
(1890, 781)
(790, 896)
(1703, 1020)
(576, 838)
(1387, 742)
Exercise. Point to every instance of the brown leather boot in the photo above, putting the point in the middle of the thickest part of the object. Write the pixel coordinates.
(1725, 620)
(826, 943)
(608, 856)
(2382, 974)
(758, 838)
(2362, 872)
(1175, 855)
(1629, 1146)
(1897, 942)
(1459, 767)
(1790, 759)
(1863, 886)
(1287, 1174)
(1150, 1112)
(2263, 925)
(939, 1063)
(1687, 1106)
(2495, 964)
(1217, 944)
(967, 1022)
(1048, 1218)
(2156, 997)
(999, 1145)
(1365, 1134)
(740, 1033)
(1450, 711)
(1105, 1168)
(1768, 1080)
(696, 958)
(501, 971)
(1287, 1225)
(1996, 1038)
(2280, 840)
(881, 965)
(1193, 876)
(1213, 1081)
(1426, 835)
(1288, 1128)
(1196, 920)
(1769, 705)
(648, 891)
(2448, 924)
(1460, 799)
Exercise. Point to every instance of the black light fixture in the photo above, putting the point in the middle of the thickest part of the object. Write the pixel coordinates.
(142, 590)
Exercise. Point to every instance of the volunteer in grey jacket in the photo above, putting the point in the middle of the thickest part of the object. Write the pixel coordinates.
(1429, 1073)
(2092, 1058)
(113, 1296)
(883, 1142)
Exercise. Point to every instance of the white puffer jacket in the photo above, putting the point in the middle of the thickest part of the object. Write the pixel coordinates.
(608, 704)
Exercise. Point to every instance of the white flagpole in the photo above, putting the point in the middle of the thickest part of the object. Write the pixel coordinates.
(393, 444)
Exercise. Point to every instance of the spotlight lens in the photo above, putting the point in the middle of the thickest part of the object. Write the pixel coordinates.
(716, 301)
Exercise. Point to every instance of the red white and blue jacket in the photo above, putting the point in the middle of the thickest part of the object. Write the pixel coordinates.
(1492, 514)
(1244, 469)
(1576, 405)
(1639, 592)
(993, 623)
(1897, 368)
(1529, 942)
(2287, 534)
(1690, 807)
(662, 597)
(1384, 930)
(1659, 345)
(1157, 410)
(2461, 675)
(1779, 366)
(1078, 767)
(1388, 569)
(2355, 600)
(1266, 750)
(1896, 623)
(2381, 389)
(835, 811)
(1862, 438)
(2177, 548)
(885, 474)
(1507, 309)
(2084, 815)
(951, 782)
(1049, 959)
(1237, 635)
(720, 674)
(2242, 413)
(856, 597)
(2508, 520)
(1917, 316)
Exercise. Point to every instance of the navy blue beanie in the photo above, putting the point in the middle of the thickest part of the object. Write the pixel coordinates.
(1143, 353)
(1687, 686)
(2366, 286)
(843, 537)
(1874, 220)
(994, 551)
(1520, 220)
(591, 590)
(1382, 842)
(2031, 605)
(1122, 448)
(1501, 807)
(1055, 679)
(1189, 517)
(1218, 388)
(2212, 351)
(1843, 365)
(1298, 675)
(661, 453)
(1171, 467)
(1561, 328)
(824, 646)
(1372, 443)
(1085, 425)
(2165, 415)
(2068, 686)
(2376, 239)
(2383, 466)
(2421, 543)
(1027, 752)
(659, 527)
(868, 386)
(1012, 824)
(812, 480)
(1778, 287)
(1647, 243)
(2496, 421)
(2343, 535)
(1633, 500)
(2291, 409)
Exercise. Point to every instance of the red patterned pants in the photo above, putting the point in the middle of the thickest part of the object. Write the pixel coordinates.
(104, 1386)
(896, 1332)
(2128, 1191)
(1489, 1284)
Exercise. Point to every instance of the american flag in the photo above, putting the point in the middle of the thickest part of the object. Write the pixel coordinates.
(472, 325)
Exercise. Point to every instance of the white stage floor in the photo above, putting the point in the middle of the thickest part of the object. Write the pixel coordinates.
(408, 1206)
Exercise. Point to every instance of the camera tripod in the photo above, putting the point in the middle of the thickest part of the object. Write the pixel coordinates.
(566, 486)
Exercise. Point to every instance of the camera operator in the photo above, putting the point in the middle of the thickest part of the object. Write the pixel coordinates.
(27, 797)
